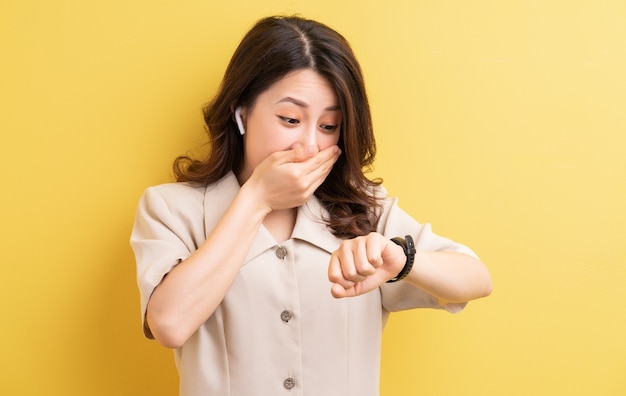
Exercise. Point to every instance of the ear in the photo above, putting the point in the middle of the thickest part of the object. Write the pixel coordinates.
(242, 130)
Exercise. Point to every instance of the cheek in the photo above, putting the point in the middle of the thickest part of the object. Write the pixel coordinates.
(259, 147)
(325, 140)
(263, 139)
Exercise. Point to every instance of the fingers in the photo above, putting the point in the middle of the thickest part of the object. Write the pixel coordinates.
(316, 168)
(300, 153)
(339, 291)
(309, 156)
(353, 268)
(287, 179)
(308, 166)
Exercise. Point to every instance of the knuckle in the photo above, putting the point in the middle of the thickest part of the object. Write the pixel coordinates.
(334, 277)
(350, 273)
(374, 259)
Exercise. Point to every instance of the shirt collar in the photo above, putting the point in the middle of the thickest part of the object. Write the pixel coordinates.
(310, 226)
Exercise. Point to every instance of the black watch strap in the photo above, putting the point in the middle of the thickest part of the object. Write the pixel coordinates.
(408, 246)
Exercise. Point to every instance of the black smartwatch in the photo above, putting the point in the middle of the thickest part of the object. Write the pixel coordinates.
(408, 246)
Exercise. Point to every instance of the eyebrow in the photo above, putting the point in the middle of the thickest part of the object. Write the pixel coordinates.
(289, 99)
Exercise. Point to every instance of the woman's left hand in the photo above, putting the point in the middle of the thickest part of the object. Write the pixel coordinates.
(363, 263)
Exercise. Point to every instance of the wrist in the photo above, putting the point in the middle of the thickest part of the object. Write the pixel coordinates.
(408, 246)
(250, 206)
(249, 193)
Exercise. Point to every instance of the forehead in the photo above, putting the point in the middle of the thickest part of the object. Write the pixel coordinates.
(303, 85)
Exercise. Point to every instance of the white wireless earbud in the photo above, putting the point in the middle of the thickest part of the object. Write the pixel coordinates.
(242, 130)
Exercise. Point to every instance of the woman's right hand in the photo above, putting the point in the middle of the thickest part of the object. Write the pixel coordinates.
(283, 180)
(287, 179)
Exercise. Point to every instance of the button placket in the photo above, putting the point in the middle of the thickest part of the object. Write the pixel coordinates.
(290, 327)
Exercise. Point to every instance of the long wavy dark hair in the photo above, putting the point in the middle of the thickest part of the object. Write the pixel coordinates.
(274, 47)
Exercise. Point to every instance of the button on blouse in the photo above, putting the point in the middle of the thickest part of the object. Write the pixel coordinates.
(286, 316)
(289, 383)
(281, 252)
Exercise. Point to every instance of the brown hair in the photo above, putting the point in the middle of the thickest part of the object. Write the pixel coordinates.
(274, 47)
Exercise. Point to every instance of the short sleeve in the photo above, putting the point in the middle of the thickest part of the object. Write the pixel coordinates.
(163, 235)
(400, 296)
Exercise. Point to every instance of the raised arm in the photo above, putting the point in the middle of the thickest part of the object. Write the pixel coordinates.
(189, 294)
(364, 263)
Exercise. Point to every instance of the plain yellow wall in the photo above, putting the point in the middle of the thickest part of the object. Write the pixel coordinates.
(502, 123)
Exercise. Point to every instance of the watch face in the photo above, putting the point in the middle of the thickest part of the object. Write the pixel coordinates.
(410, 245)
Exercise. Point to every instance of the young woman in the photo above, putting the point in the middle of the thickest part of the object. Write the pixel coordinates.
(272, 264)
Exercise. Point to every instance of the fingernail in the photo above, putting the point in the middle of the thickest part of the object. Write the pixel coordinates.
(310, 149)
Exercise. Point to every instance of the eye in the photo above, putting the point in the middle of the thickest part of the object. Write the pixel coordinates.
(290, 121)
(329, 128)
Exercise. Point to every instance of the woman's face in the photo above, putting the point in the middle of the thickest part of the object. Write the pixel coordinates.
(299, 108)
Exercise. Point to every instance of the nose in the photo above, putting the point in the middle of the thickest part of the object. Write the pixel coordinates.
(309, 135)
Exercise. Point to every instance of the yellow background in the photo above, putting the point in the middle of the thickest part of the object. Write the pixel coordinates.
(503, 123)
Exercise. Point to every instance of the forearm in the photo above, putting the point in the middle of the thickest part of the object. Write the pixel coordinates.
(191, 292)
(452, 277)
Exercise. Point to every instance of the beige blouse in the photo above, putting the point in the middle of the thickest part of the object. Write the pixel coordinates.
(278, 330)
